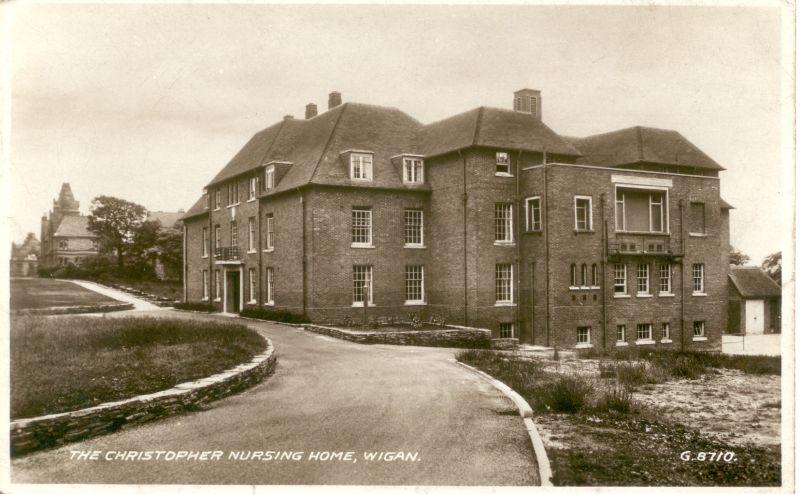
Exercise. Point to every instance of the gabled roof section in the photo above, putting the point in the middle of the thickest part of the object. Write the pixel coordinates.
(492, 127)
(753, 282)
(197, 209)
(250, 155)
(74, 226)
(642, 145)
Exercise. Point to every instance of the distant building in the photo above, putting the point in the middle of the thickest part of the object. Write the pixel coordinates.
(65, 234)
(488, 218)
(25, 257)
(754, 302)
(167, 220)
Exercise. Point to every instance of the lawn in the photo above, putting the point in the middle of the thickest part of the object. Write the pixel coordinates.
(40, 293)
(170, 290)
(68, 363)
(617, 423)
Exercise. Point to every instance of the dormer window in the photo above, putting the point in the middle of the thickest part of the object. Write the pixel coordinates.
(503, 164)
(413, 171)
(269, 178)
(360, 166)
(251, 191)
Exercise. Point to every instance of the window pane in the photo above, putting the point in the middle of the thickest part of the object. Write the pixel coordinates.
(362, 284)
(362, 226)
(503, 222)
(413, 227)
(414, 283)
(503, 280)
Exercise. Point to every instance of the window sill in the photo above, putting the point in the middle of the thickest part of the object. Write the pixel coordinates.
(361, 179)
(361, 304)
(503, 174)
(415, 302)
(644, 295)
(665, 294)
(645, 342)
(252, 199)
(217, 300)
(252, 252)
(252, 302)
(698, 235)
(534, 231)
(413, 183)
(699, 294)
(699, 338)
(504, 243)
(362, 246)
(270, 250)
(505, 304)
(413, 246)
(204, 257)
(271, 304)
(233, 205)
(216, 208)
(666, 340)
(204, 299)
(623, 232)
(616, 295)
(622, 343)
(576, 231)
(584, 345)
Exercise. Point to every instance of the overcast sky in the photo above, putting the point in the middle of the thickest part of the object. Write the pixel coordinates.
(148, 102)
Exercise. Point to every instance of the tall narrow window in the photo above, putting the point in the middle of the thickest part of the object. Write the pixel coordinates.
(620, 279)
(251, 234)
(620, 210)
(699, 329)
(583, 213)
(205, 284)
(534, 105)
(415, 284)
(533, 214)
(656, 212)
(502, 164)
(595, 277)
(217, 285)
(584, 275)
(217, 239)
(361, 166)
(269, 240)
(361, 229)
(698, 279)
(413, 171)
(270, 295)
(234, 233)
(644, 331)
(664, 279)
(413, 228)
(269, 178)
(664, 331)
(504, 281)
(503, 223)
(573, 275)
(362, 285)
(251, 191)
(643, 279)
(217, 198)
(620, 333)
(205, 241)
(251, 277)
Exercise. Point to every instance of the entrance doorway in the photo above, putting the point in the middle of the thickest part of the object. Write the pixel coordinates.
(233, 292)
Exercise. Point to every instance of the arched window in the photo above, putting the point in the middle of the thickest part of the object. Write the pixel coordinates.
(595, 279)
(584, 275)
(573, 275)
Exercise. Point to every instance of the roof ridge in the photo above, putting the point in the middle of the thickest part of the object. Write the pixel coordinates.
(477, 126)
(328, 143)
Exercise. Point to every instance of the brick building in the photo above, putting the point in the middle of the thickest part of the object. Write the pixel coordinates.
(487, 218)
(65, 234)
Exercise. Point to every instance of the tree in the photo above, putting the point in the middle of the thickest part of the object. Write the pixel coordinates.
(170, 250)
(116, 221)
(772, 265)
(738, 258)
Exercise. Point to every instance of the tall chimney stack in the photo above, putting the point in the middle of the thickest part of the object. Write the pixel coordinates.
(334, 99)
(311, 110)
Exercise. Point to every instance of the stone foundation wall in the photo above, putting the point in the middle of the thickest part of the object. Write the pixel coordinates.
(37, 433)
(452, 337)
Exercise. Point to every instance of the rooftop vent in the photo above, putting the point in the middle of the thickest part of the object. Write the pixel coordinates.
(528, 101)
(334, 99)
(311, 110)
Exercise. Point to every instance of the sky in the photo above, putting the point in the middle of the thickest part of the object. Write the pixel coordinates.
(148, 102)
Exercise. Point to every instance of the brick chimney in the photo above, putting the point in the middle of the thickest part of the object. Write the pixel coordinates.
(334, 99)
(311, 110)
(528, 101)
(288, 117)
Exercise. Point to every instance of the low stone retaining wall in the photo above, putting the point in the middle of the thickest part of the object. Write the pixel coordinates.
(75, 309)
(47, 431)
(505, 343)
(451, 337)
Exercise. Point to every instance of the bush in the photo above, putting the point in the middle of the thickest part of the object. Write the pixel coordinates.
(197, 306)
(634, 374)
(275, 315)
(615, 400)
(566, 394)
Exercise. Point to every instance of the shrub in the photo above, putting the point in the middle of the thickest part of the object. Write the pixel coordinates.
(275, 315)
(197, 306)
(684, 366)
(566, 394)
(615, 400)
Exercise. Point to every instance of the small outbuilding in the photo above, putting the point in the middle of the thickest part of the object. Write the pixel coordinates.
(754, 302)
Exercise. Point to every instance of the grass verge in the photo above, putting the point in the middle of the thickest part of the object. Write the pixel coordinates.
(40, 293)
(274, 315)
(607, 438)
(68, 363)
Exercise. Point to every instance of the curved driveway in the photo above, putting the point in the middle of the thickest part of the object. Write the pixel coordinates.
(326, 395)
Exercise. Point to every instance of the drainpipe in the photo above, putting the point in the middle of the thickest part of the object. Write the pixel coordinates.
(185, 266)
(261, 281)
(303, 224)
(518, 251)
(683, 274)
(603, 265)
(546, 256)
(464, 233)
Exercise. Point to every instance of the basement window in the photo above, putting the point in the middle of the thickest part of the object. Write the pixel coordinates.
(506, 330)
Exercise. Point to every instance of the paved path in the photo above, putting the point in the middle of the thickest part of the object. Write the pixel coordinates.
(326, 395)
(138, 304)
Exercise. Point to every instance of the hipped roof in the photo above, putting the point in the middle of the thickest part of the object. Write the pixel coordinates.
(753, 282)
